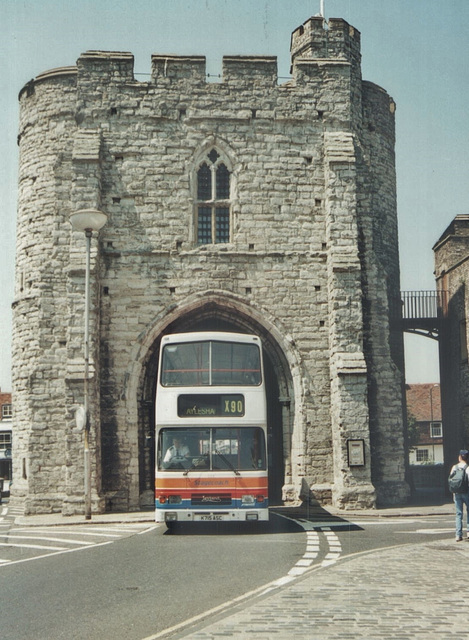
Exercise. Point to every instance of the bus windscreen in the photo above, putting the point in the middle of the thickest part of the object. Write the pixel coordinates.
(210, 449)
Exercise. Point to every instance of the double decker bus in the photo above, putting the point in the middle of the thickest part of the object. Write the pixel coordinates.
(211, 429)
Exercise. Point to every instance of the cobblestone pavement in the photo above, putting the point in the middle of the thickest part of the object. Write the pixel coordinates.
(411, 591)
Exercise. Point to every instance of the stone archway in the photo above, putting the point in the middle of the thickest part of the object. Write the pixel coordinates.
(222, 314)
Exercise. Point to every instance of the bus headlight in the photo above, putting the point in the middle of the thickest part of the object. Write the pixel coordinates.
(174, 499)
(170, 517)
(248, 500)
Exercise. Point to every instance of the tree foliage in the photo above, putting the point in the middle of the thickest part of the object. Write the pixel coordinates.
(412, 430)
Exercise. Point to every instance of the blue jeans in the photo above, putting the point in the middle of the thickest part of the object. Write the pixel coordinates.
(461, 499)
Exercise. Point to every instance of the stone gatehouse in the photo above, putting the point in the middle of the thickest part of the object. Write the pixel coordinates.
(244, 205)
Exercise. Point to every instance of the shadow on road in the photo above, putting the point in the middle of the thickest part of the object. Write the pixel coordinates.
(316, 516)
(276, 524)
(282, 520)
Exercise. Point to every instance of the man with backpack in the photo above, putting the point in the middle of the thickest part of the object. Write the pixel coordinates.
(458, 483)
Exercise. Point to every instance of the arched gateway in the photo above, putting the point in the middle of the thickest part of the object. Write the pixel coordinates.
(221, 313)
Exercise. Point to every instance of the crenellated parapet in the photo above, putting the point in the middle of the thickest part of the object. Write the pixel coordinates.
(316, 40)
(96, 69)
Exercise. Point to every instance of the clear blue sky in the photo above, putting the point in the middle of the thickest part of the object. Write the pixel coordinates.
(416, 49)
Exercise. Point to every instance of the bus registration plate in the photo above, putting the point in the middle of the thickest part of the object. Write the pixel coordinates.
(208, 516)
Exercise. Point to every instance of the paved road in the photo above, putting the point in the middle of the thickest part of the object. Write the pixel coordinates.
(139, 584)
(333, 589)
(22, 542)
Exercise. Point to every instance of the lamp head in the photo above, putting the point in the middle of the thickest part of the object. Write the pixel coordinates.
(88, 220)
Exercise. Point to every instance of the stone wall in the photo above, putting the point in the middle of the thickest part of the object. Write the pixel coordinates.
(311, 264)
(451, 253)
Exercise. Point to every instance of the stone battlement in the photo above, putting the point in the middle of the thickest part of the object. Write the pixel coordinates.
(313, 40)
(118, 67)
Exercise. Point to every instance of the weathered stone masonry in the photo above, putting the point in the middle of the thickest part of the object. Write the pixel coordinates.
(311, 264)
(451, 273)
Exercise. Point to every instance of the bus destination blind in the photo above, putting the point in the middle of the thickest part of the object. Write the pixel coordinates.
(211, 405)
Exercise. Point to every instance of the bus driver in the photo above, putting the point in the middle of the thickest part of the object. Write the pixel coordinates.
(177, 451)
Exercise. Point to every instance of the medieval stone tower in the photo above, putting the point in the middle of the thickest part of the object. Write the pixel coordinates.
(243, 205)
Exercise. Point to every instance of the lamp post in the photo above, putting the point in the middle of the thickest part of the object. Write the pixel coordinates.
(431, 419)
(87, 221)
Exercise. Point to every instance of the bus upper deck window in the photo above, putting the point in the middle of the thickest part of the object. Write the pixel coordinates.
(211, 363)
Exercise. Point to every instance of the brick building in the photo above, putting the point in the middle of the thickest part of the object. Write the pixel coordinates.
(424, 407)
(243, 205)
(5, 441)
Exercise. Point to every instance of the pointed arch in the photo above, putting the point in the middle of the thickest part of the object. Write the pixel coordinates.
(220, 311)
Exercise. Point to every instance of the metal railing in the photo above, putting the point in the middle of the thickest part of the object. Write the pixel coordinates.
(423, 304)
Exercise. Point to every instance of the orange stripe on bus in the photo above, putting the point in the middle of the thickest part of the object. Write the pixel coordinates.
(211, 484)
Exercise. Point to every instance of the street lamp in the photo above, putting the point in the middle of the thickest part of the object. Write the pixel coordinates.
(435, 386)
(87, 221)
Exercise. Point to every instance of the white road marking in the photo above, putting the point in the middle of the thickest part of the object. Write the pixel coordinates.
(335, 548)
(430, 531)
(70, 532)
(47, 539)
(346, 524)
(55, 553)
(387, 521)
(152, 528)
(14, 534)
(30, 546)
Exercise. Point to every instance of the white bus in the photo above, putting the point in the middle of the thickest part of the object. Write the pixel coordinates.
(211, 429)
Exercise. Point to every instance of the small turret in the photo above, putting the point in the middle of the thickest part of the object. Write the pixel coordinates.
(318, 39)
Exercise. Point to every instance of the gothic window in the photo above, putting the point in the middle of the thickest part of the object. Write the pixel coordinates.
(213, 200)
(204, 183)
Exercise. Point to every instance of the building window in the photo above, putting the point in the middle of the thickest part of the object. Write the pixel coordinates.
(436, 430)
(422, 455)
(5, 440)
(213, 200)
(6, 411)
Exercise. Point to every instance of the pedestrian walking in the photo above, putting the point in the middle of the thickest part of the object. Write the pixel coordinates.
(458, 482)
